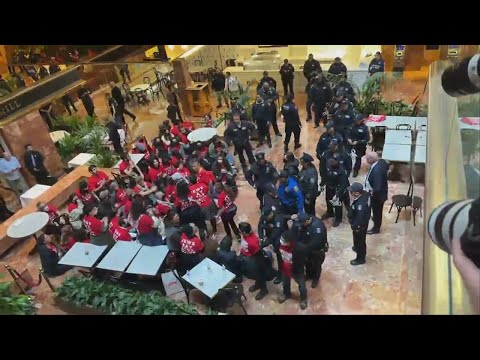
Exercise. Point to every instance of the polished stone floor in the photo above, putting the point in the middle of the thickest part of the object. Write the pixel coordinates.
(389, 283)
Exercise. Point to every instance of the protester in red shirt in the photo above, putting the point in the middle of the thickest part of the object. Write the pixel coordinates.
(227, 209)
(188, 125)
(293, 266)
(221, 169)
(121, 196)
(180, 131)
(201, 194)
(191, 248)
(154, 170)
(98, 181)
(182, 170)
(85, 195)
(113, 224)
(188, 209)
(144, 224)
(203, 176)
(97, 229)
(49, 209)
(170, 190)
(126, 165)
(122, 231)
(256, 266)
(72, 203)
(208, 121)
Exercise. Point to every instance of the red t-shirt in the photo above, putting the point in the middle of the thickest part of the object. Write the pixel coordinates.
(128, 206)
(122, 234)
(71, 207)
(93, 225)
(52, 212)
(68, 245)
(123, 166)
(163, 209)
(122, 198)
(224, 201)
(203, 151)
(170, 192)
(145, 224)
(145, 187)
(250, 245)
(88, 197)
(113, 225)
(86, 241)
(189, 125)
(184, 172)
(184, 204)
(199, 192)
(169, 170)
(191, 245)
(94, 180)
(286, 252)
(153, 173)
(205, 176)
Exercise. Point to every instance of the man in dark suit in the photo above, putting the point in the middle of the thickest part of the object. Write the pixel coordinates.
(376, 183)
(34, 162)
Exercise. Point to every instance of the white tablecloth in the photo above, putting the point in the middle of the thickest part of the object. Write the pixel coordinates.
(32, 193)
(120, 256)
(80, 159)
(391, 122)
(135, 157)
(420, 154)
(83, 255)
(422, 138)
(141, 87)
(148, 260)
(401, 137)
(28, 225)
(396, 152)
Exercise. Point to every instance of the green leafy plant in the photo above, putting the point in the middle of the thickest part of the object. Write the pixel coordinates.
(368, 97)
(105, 159)
(69, 146)
(89, 292)
(11, 304)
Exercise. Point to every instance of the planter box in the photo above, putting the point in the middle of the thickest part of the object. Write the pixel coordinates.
(72, 309)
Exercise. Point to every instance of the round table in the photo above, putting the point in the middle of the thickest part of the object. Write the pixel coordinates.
(202, 134)
(27, 225)
(141, 87)
(56, 136)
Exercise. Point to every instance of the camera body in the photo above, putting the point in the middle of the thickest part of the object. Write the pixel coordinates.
(462, 78)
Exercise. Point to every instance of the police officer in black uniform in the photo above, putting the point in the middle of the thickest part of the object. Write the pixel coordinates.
(292, 122)
(311, 67)
(346, 87)
(238, 132)
(261, 117)
(287, 73)
(377, 64)
(336, 182)
(321, 94)
(337, 67)
(270, 228)
(271, 81)
(309, 98)
(270, 95)
(357, 139)
(84, 95)
(343, 117)
(260, 174)
(291, 164)
(236, 107)
(271, 199)
(335, 103)
(308, 180)
(326, 138)
(312, 240)
(359, 216)
(337, 152)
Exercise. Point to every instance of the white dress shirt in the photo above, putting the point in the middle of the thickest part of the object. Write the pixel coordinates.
(367, 186)
(231, 84)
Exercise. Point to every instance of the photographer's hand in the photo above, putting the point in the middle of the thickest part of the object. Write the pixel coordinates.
(469, 272)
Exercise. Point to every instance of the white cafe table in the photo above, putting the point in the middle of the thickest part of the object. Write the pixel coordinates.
(121, 254)
(400, 137)
(148, 260)
(56, 136)
(202, 134)
(32, 193)
(420, 154)
(397, 152)
(135, 158)
(80, 159)
(209, 277)
(140, 87)
(421, 138)
(27, 225)
(83, 255)
(421, 123)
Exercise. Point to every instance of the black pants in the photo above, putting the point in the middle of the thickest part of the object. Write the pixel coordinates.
(41, 176)
(309, 108)
(360, 244)
(274, 120)
(288, 134)
(318, 110)
(360, 151)
(118, 148)
(260, 194)
(309, 204)
(67, 102)
(121, 108)
(247, 147)
(228, 221)
(264, 132)
(377, 212)
(302, 287)
(125, 75)
(313, 264)
(288, 83)
(337, 210)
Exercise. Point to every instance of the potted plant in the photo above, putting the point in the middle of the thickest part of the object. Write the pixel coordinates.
(11, 304)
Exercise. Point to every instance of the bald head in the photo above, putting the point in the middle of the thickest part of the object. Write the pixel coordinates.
(372, 157)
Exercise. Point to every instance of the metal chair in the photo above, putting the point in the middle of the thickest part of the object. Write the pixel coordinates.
(403, 201)
(403, 127)
(141, 97)
(236, 293)
(128, 93)
(416, 205)
(153, 88)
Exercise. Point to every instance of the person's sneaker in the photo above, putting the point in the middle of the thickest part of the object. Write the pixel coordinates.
(277, 280)
(253, 288)
(355, 173)
(282, 298)
(336, 223)
(261, 294)
(314, 284)
(326, 216)
(356, 262)
(303, 304)
(297, 146)
(270, 145)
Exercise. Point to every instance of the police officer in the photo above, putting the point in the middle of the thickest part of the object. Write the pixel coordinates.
(271, 81)
(359, 216)
(337, 67)
(346, 87)
(291, 165)
(312, 239)
(236, 107)
(308, 181)
(270, 95)
(357, 139)
(335, 104)
(84, 95)
(238, 131)
(271, 199)
(309, 98)
(260, 174)
(337, 152)
(377, 64)
(290, 194)
(326, 138)
(335, 180)
(311, 67)
(270, 228)
(343, 117)
(287, 73)
(321, 94)
(292, 122)
(261, 116)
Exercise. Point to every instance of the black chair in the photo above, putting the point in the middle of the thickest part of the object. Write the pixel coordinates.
(128, 93)
(153, 88)
(404, 201)
(416, 205)
(141, 97)
(234, 294)
(404, 127)
(378, 138)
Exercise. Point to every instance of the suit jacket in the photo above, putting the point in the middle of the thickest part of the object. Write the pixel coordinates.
(378, 181)
(38, 160)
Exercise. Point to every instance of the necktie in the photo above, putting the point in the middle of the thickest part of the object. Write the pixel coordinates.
(368, 174)
(33, 161)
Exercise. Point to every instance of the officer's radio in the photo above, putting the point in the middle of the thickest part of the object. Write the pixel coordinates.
(399, 58)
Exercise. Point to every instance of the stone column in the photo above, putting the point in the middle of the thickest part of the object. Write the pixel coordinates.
(183, 80)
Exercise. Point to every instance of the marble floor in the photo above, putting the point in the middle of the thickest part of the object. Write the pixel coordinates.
(389, 283)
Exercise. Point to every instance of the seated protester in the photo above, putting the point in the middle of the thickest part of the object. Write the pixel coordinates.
(179, 131)
(121, 196)
(170, 190)
(48, 249)
(165, 136)
(293, 266)
(169, 168)
(172, 230)
(154, 170)
(66, 238)
(49, 209)
(113, 224)
(97, 229)
(128, 204)
(139, 147)
(203, 176)
(227, 257)
(291, 165)
(85, 195)
(191, 248)
(79, 235)
(144, 166)
(254, 264)
(143, 221)
(208, 121)
(176, 146)
(105, 207)
(202, 149)
(188, 209)
(75, 211)
(221, 169)
(122, 231)
(218, 146)
(188, 125)
(126, 165)
(163, 207)
(182, 170)
(99, 180)
(176, 157)
(200, 193)
(227, 209)
(145, 189)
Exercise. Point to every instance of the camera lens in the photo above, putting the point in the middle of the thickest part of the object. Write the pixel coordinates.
(462, 78)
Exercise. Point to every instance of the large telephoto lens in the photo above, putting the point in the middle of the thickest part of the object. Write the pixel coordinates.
(463, 78)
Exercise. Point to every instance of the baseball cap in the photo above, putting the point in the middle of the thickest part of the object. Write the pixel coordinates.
(268, 210)
(333, 142)
(307, 157)
(302, 217)
(359, 117)
(355, 187)
(340, 93)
